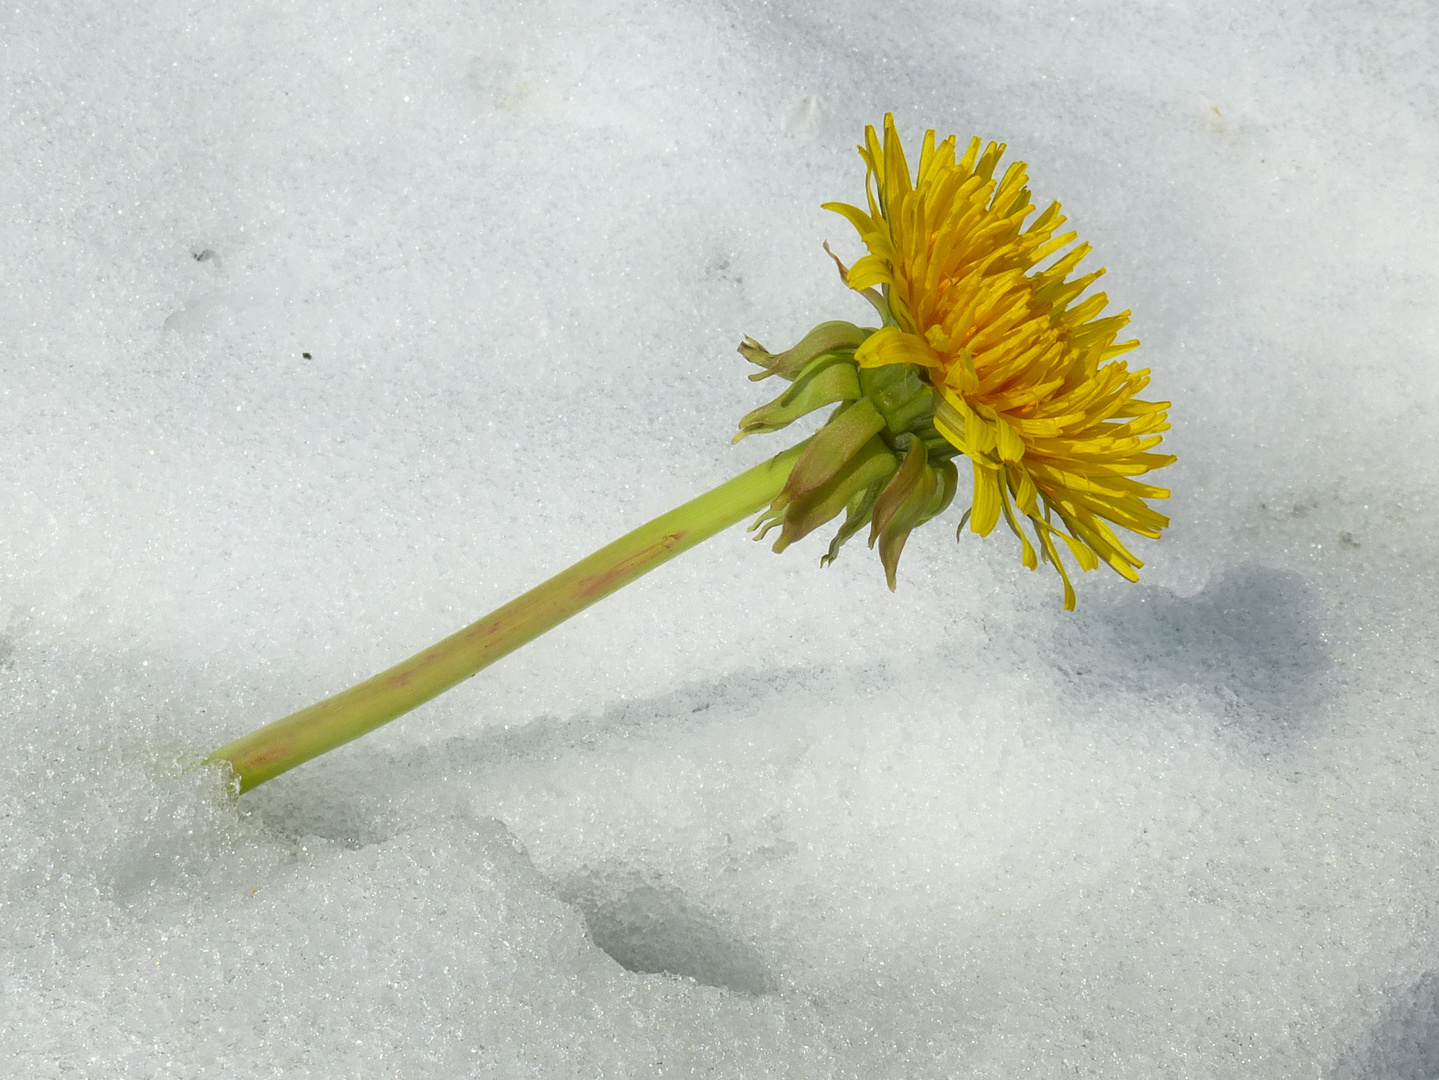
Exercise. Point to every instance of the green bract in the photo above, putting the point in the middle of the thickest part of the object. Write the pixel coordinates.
(878, 459)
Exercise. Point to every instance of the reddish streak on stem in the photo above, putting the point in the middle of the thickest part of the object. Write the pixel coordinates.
(607, 581)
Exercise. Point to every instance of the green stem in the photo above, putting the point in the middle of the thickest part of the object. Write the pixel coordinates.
(280, 746)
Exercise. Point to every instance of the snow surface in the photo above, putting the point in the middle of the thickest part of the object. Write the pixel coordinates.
(748, 818)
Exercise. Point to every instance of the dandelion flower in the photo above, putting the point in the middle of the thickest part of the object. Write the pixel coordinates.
(987, 349)
(1022, 367)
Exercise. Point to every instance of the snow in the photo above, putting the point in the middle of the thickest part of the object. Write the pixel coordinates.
(329, 328)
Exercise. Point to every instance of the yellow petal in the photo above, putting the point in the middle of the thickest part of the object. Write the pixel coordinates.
(1008, 442)
(891, 345)
(870, 270)
(984, 508)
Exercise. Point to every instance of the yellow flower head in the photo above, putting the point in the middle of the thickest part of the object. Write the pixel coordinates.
(1023, 371)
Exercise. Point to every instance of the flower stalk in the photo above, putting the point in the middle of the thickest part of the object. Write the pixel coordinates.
(278, 747)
